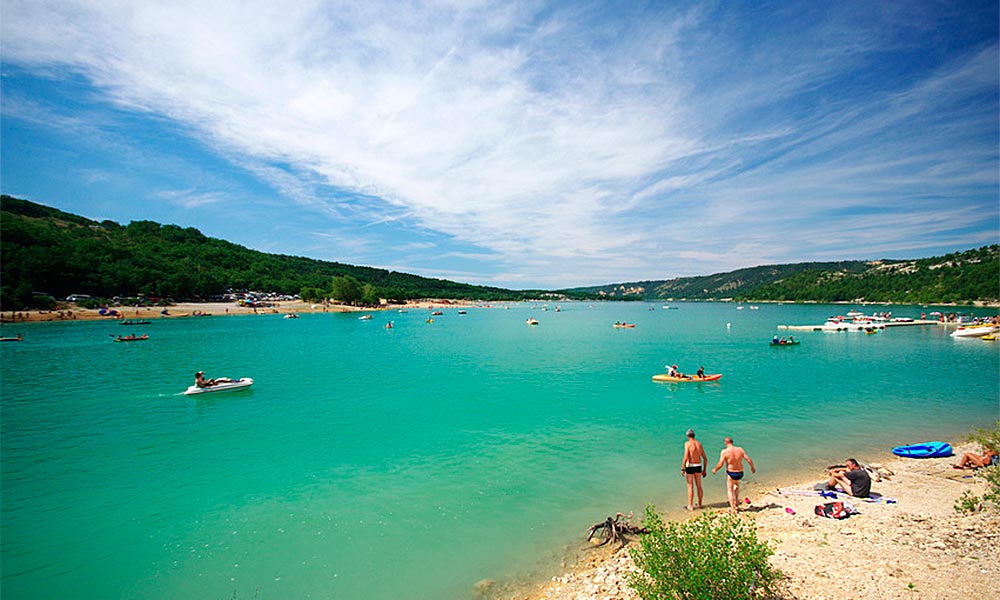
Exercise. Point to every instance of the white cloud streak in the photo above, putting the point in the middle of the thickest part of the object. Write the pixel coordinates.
(540, 135)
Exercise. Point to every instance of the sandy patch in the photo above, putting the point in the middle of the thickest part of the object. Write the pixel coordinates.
(918, 547)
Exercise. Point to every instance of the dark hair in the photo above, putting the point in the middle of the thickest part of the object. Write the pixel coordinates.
(853, 460)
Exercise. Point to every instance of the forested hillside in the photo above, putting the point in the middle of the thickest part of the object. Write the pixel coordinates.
(47, 250)
(43, 249)
(961, 277)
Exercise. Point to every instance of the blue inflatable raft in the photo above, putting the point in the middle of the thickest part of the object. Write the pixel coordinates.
(924, 450)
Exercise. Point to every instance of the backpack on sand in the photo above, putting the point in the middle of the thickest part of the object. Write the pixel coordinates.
(836, 510)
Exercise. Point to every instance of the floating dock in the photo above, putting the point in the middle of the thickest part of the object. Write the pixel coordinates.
(857, 326)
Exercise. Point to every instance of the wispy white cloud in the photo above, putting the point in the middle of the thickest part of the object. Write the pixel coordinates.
(623, 145)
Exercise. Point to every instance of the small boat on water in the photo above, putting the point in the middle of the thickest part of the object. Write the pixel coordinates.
(437, 313)
(134, 322)
(687, 379)
(12, 339)
(462, 312)
(223, 386)
(840, 325)
(365, 318)
(785, 343)
(531, 321)
(924, 450)
(132, 338)
(989, 337)
(291, 316)
(975, 331)
(624, 325)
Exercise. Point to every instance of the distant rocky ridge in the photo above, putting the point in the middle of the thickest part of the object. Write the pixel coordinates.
(968, 277)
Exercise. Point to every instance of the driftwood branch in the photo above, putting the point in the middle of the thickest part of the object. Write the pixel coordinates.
(613, 529)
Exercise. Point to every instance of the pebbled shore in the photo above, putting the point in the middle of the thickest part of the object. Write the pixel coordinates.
(918, 547)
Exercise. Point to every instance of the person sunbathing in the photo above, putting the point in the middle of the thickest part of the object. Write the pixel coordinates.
(971, 460)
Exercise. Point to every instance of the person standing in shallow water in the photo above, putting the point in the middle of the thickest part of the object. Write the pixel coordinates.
(693, 468)
(733, 457)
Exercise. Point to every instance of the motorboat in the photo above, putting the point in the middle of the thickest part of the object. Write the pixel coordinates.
(975, 330)
(222, 386)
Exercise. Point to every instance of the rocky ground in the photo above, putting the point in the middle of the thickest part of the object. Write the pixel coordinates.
(916, 548)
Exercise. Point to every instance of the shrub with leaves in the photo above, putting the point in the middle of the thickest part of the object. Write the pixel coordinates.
(970, 503)
(713, 556)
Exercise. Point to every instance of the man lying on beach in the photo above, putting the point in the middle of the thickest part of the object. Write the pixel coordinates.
(693, 467)
(852, 479)
(733, 457)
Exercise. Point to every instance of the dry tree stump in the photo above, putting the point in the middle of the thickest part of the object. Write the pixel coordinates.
(614, 529)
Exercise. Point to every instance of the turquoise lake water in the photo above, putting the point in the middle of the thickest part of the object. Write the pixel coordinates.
(412, 462)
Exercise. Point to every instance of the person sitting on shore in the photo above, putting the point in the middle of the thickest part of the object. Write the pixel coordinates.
(854, 480)
(971, 460)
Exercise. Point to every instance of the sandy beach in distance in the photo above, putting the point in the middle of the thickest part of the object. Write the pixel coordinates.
(196, 309)
(918, 547)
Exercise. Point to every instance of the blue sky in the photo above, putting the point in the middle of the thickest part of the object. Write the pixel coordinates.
(518, 144)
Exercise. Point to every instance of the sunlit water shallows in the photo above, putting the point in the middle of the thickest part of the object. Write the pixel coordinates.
(412, 462)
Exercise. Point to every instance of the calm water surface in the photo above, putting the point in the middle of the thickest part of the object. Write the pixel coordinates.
(412, 462)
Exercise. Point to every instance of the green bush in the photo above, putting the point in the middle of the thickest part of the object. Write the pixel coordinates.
(713, 556)
(968, 502)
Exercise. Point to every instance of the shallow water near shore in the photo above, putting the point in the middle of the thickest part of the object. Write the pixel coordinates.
(412, 462)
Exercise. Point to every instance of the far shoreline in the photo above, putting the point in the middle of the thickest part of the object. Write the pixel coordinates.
(208, 309)
(69, 311)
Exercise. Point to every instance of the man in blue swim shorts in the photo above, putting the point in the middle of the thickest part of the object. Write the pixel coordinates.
(732, 457)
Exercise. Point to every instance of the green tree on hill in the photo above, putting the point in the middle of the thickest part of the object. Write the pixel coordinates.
(346, 290)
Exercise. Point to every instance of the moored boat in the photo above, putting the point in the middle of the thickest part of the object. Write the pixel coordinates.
(975, 330)
(924, 450)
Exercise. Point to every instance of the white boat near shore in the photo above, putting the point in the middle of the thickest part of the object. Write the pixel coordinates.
(834, 325)
(975, 331)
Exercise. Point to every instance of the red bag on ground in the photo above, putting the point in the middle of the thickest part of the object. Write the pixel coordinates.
(835, 510)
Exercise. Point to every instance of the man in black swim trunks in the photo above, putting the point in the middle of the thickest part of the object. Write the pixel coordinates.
(733, 457)
(693, 467)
